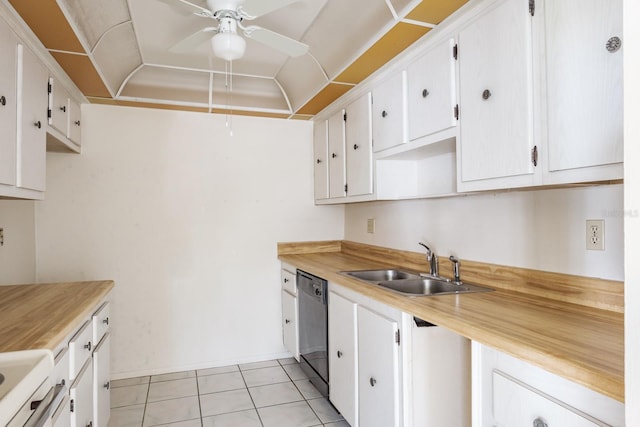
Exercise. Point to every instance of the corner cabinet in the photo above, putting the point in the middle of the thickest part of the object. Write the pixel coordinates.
(510, 392)
(342, 146)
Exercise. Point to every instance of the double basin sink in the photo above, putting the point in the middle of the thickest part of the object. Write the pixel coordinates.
(414, 284)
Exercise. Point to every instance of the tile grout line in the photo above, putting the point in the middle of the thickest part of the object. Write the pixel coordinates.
(199, 403)
(250, 396)
(146, 400)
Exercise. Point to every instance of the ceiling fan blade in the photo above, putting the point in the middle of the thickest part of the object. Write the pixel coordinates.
(277, 41)
(253, 8)
(188, 8)
(188, 44)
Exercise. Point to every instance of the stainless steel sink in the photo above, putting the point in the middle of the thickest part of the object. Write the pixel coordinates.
(382, 275)
(430, 286)
(413, 284)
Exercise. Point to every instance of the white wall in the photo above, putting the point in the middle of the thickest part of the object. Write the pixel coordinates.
(542, 229)
(631, 39)
(18, 255)
(185, 219)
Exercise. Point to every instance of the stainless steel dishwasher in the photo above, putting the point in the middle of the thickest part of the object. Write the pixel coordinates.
(312, 317)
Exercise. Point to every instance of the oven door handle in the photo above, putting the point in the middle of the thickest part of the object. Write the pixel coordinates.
(45, 407)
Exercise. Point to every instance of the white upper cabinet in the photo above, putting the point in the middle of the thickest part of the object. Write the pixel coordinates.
(74, 133)
(8, 65)
(431, 91)
(358, 147)
(496, 98)
(389, 112)
(320, 161)
(32, 121)
(58, 106)
(584, 91)
(337, 160)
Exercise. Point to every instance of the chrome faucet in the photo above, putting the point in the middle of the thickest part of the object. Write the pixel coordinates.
(432, 258)
(456, 269)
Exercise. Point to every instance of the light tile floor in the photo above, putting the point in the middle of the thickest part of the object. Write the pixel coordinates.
(275, 393)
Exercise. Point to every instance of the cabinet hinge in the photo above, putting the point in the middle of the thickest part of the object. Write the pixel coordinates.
(344, 117)
(456, 112)
(48, 87)
(346, 188)
(48, 113)
(72, 405)
(455, 51)
(534, 155)
(398, 336)
(532, 7)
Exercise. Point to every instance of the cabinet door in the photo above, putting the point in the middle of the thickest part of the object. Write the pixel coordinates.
(358, 147)
(390, 112)
(337, 163)
(101, 383)
(320, 164)
(496, 102)
(516, 405)
(343, 357)
(8, 65)
(431, 94)
(58, 107)
(80, 348)
(290, 323)
(75, 111)
(81, 394)
(378, 387)
(32, 120)
(584, 84)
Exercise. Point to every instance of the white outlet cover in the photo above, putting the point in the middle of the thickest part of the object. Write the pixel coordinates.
(595, 234)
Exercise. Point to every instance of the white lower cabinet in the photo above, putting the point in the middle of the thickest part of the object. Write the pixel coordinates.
(289, 310)
(508, 392)
(386, 371)
(343, 357)
(81, 395)
(378, 383)
(101, 383)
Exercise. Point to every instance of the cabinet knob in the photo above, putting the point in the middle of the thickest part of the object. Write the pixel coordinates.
(287, 321)
(77, 123)
(3, 101)
(38, 124)
(63, 108)
(425, 93)
(88, 346)
(106, 321)
(486, 94)
(318, 161)
(339, 354)
(90, 424)
(356, 146)
(384, 113)
(334, 155)
(372, 381)
(539, 422)
(107, 385)
(286, 280)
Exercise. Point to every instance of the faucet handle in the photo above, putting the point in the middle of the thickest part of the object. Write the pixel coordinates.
(456, 268)
(429, 251)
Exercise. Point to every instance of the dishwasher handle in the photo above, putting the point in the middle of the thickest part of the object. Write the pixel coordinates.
(44, 408)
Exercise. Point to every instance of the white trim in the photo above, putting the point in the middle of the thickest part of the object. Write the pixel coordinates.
(126, 79)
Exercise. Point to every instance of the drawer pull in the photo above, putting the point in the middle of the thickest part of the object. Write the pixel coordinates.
(107, 385)
(286, 280)
(287, 321)
(539, 422)
(38, 124)
(339, 354)
(106, 321)
(3, 101)
(88, 346)
(372, 381)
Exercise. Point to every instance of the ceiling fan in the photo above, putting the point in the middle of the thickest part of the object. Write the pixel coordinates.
(231, 14)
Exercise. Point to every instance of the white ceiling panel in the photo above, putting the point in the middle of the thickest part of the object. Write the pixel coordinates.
(402, 7)
(168, 84)
(116, 55)
(93, 18)
(248, 92)
(301, 77)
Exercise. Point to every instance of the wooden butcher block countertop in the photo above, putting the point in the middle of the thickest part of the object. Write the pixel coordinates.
(582, 343)
(40, 316)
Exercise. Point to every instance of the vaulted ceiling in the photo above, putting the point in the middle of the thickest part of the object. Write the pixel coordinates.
(119, 51)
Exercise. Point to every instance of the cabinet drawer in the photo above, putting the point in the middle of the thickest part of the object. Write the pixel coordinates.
(81, 397)
(518, 405)
(60, 373)
(100, 321)
(25, 411)
(289, 281)
(80, 348)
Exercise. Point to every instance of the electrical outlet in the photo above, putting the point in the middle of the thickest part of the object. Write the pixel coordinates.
(595, 234)
(371, 225)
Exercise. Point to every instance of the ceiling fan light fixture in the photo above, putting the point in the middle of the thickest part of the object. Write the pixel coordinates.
(227, 44)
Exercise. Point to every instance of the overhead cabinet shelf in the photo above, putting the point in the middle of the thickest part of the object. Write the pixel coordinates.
(504, 94)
